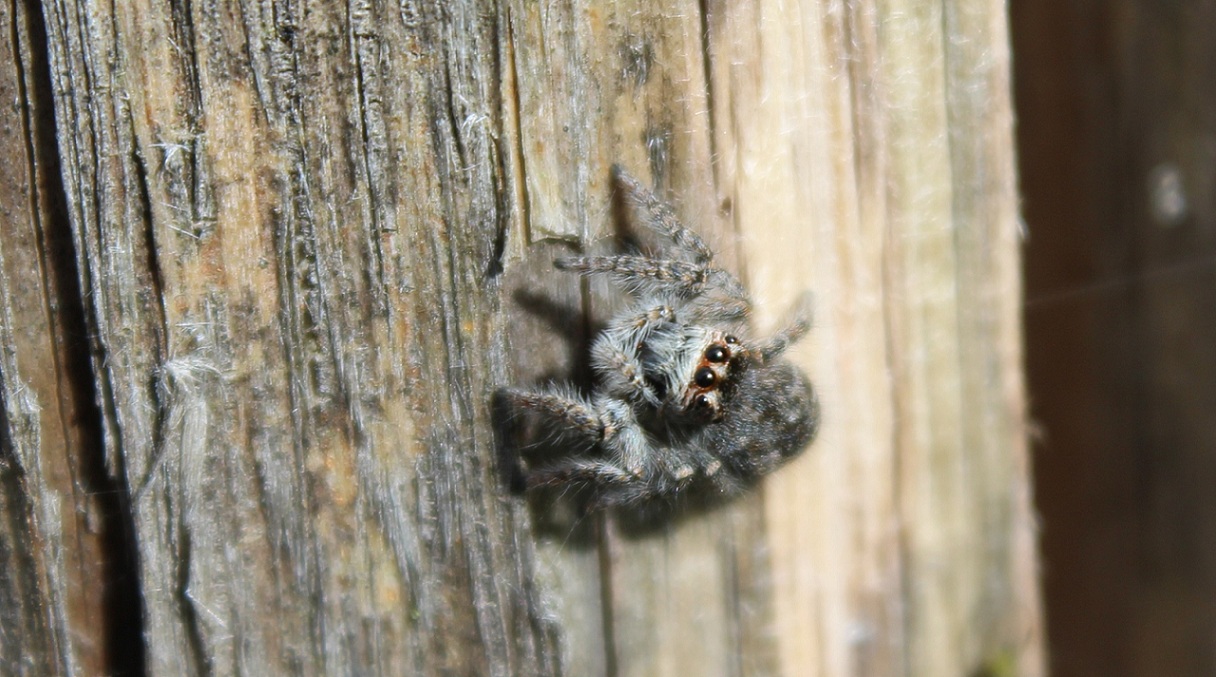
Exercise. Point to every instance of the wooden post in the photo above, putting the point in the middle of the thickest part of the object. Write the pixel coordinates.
(299, 239)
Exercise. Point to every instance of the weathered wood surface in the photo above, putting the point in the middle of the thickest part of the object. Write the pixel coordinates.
(67, 578)
(301, 239)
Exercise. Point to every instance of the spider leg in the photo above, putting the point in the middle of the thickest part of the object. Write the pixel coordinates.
(723, 300)
(585, 471)
(640, 273)
(614, 355)
(661, 219)
(607, 422)
(620, 369)
(631, 467)
(711, 293)
(640, 323)
(612, 484)
(797, 324)
(572, 412)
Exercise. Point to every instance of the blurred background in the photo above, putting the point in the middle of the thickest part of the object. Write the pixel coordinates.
(1116, 104)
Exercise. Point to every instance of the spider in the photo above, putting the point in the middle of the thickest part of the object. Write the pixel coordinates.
(683, 396)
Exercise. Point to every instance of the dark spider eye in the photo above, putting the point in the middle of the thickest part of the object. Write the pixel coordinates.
(705, 377)
(716, 353)
(702, 401)
(731, 339)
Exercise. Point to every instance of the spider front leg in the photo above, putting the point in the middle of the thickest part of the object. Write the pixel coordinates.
(723, 300)
(661, 219)
(797, 324)
(581, 472)
(606, 422)
(569, 414)
(641, 273)
(612, 484)
(706, 291)
(614, 355)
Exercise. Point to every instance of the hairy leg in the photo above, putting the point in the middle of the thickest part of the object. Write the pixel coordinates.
(612, 485)
(608, 422)
(568, 413)
(661, 219)
(614, 355)
(640, 273)
(797, 324)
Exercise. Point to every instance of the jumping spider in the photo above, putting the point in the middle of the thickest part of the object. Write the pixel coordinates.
(683, 396)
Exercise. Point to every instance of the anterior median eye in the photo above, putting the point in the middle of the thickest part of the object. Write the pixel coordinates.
(716, 353)
(705, 377)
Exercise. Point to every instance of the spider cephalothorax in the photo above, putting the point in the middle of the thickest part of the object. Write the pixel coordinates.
(682, 396)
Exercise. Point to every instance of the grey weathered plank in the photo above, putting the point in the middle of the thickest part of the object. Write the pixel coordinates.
(290, 224)
(302, 236)
(64, 569)
(871, 161)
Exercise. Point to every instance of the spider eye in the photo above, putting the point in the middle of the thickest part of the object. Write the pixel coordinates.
(705, 377)
(731, 339)
(703, 401)
(716, 353)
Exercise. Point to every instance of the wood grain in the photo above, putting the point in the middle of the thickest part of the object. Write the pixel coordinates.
(311, 242)
(67, 585)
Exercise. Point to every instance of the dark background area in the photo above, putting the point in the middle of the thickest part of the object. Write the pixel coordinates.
(1116, 104)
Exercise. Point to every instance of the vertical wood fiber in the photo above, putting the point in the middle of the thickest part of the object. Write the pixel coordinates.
(312, 240)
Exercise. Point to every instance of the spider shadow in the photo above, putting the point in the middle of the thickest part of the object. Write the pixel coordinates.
(650, 518)
(521, 444)
(549, 337)
(572, 327)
